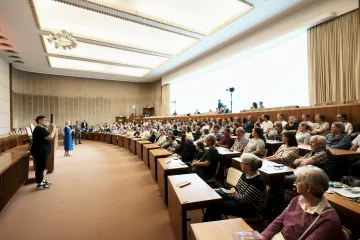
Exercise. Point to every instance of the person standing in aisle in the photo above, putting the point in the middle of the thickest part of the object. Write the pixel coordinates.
(68, 146)
(77, 133)
(41, 149)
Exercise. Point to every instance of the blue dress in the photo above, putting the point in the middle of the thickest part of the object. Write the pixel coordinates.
(67, 139)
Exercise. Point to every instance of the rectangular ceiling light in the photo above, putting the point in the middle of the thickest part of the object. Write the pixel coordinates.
(106, 54)
(80, 65)
(200, 16)
(89, 24)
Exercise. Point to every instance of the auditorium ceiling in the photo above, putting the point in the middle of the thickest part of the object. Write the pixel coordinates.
(127, 40)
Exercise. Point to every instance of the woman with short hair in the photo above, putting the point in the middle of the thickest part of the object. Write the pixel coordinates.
(247, 199)
(308, 216)
(287, 152)
(292, 125)
(303, 134)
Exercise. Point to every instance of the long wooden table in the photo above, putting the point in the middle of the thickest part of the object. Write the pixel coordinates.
(108, 137)
(146, 149)
(126, 140)
(102, 137)
(219, 229)
(121, 140)
(96, 136)
(197, 195)
(164, 170)
(14, 170)
(89, 136)
(338, 153)
(133, 141)
(154, 154)
(114, 139)
(139, 147)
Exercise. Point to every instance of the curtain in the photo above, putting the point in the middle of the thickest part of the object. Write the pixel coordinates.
(334, 60)
(165, 98)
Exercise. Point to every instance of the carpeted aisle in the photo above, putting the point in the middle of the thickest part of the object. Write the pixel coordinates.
(101, 192)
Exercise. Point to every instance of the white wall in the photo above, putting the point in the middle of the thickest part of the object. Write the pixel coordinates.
(4, 97)
(290, 23)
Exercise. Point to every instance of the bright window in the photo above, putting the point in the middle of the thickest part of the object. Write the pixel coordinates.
(275, 72)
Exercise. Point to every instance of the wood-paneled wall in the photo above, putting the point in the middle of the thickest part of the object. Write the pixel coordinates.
(71, 98)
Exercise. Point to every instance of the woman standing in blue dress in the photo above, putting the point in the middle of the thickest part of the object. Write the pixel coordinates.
(67, 139)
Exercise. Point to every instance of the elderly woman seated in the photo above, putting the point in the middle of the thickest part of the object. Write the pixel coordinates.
(303, 134)
(338, 138)
(308, 216)
(276, 133)
(247, 198)
(287, 152)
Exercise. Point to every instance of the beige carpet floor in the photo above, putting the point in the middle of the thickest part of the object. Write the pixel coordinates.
(101, 192)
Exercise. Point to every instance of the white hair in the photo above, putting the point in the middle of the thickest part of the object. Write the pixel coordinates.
(314, 178)
(189, 137)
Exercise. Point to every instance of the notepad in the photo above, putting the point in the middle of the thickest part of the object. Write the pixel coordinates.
(251, 235)
(183, 184)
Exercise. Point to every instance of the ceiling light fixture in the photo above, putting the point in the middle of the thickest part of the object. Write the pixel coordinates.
(62, 39)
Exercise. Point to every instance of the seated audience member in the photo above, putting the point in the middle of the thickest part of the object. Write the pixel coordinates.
(235, 126)
(280, 118)
(188, 130)
(161, 139)
(261, 105)
(355, 161)
(172, 144)
(240, 142)
(266, 125)
(197, 134)
(276, 133)
(211, 127)
(203, 137)
(303, 134)
(205, 125)
(188, 150)
(259, 121)
(254, 106)
(348, 126)
(306, 118)
(146, 134)
(320, 127)
(217, 133)
(181, 145)
(196, 112)
(226, 109)
(225, 141)
(247, 199)
(223, 126)
(293, 125)
(256, 145)
(200, 151)
(168, 141)
(338, 138)
(243, 122)
(308, 216)
(206, 166)
(287, 152)
(249, 125)
(175, 131)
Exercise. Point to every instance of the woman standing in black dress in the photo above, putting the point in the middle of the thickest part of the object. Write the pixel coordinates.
(41, 148)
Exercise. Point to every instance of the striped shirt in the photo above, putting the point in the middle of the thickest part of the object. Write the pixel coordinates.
(251, 191)
(287, 154)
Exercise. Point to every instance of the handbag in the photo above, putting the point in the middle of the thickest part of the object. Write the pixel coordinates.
(351, 181)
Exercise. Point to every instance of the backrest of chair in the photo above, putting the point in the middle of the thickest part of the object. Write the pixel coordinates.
(28, 130)
(347, 233)
(266, 153)
(217, 169)
(233, 176)
(32, 127)
(268, 196)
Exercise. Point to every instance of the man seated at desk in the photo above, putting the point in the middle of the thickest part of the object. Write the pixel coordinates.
(188, 150)
(338, 138)
(161, 139)
(225, 141)
(240, 142)
(206, 166)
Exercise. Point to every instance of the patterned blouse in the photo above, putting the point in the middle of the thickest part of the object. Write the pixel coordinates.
(287, 154)
(240, 144)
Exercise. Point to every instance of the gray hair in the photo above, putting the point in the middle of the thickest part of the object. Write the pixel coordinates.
(189, 137)
(211, 138)
(314, 178)
(253, 160)
(240, 129)
(321, 140)
(278, 124)
(340, 125)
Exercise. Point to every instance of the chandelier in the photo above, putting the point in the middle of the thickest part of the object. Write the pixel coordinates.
(62, 39)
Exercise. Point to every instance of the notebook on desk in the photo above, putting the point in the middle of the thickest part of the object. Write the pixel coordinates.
(251, 235)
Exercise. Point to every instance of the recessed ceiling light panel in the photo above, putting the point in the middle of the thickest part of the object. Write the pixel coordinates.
(55, 16)
(201, 16)
(80, 65)
(107, 54)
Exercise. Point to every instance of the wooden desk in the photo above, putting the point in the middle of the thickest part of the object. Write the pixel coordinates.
(224, 155)
(121, 140)
(272, 146)
(219, 229)
(102, 137)
(146, 149)
(126, 140)
(108, 137)
(139, 147)
(197, 195)
(14, 170)
(133, 144)
(167, 169)
(153, 157)
(96, 136)
(348, 211)
(89, 136)
(338, 153)
(114, 139)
